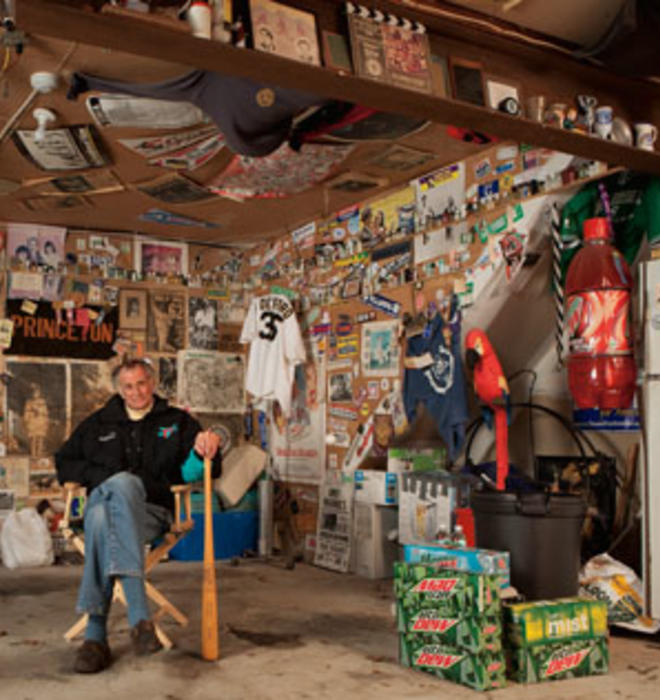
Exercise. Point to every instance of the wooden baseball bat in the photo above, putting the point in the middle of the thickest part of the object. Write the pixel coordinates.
(210, 647)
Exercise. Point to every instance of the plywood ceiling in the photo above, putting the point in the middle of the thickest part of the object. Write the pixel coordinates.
(239, 223)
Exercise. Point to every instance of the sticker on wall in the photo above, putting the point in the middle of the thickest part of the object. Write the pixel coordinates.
(340, 386)
(373, 389)
(347, 346)
(343, 412)
(384, 384)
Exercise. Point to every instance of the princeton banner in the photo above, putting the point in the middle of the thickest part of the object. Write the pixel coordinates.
(88, 332)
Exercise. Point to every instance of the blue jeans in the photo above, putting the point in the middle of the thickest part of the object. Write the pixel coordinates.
(118, 522)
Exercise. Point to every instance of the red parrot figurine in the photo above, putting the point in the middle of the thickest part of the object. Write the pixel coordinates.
(491, 387)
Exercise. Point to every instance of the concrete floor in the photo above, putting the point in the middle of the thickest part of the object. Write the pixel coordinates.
(306, 633)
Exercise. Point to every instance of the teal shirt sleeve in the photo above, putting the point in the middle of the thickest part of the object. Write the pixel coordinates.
(193, 468)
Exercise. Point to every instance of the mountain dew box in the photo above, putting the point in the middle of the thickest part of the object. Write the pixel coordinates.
(483, 671)
(561, 620)
(547, 662)
(474, 634)
(476, 561)
(418, 586)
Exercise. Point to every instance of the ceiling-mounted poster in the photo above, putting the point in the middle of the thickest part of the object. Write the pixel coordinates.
(67, 148)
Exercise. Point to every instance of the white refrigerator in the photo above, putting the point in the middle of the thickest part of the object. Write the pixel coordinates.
(649, 356)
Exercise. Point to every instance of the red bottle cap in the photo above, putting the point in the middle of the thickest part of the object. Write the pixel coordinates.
(596, 229)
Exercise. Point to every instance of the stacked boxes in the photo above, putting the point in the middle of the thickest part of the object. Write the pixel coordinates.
(550, 640)
(479, 561)
(449, 623)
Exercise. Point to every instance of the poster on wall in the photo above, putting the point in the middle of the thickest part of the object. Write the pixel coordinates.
(36, 393)
(441, 241)
(48, 333)
(202, 323)
(439, 195)
(380, 349)
(15, 475)
(333, 535)
(91, 387)
(161, 257)
(298, 444)
(210, 381)
(166, 322)
(31, 244)
(166, 386)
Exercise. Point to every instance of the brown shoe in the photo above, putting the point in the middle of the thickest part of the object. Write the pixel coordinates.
(144, 638)
(92, 657)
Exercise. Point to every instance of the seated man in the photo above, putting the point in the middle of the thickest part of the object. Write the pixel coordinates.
(128, 454)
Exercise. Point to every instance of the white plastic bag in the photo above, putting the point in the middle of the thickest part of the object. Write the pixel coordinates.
(25, 540)
(605, 578)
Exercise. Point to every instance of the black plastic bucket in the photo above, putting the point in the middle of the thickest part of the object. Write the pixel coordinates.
(542, 534)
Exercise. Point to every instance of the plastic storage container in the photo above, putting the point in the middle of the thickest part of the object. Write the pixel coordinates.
(542, 534)
(601, 366)
(233, 533)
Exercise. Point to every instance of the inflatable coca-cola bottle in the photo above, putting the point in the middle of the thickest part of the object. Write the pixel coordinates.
(601, 366)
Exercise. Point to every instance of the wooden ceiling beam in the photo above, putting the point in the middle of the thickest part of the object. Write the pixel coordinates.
(144, 38)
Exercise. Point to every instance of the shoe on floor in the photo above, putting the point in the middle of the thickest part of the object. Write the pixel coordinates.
(144, 638)
(92, 657)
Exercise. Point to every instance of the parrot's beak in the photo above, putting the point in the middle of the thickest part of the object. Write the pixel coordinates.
(472, 357)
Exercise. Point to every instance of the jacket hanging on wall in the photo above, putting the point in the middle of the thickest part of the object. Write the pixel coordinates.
(254, 118)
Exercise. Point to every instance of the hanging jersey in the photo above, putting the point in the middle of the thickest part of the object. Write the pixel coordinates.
(276, 347)
(441, 385)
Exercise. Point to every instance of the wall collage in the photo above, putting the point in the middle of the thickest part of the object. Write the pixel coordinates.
(361, 280)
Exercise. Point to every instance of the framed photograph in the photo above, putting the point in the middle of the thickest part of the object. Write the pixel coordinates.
(340, 387)
(498, 89)
(467, 81)
(380, 349)
(353, 182)
(285, 31)
(133, 309)
(440, 81)
(161, 257)
(166, 322)
(336, 52)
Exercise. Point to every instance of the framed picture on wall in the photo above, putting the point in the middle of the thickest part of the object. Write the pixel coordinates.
(336, 52)
(441, 84)
(285, 31)
(133, 309)
(161, 257)
(467, 81)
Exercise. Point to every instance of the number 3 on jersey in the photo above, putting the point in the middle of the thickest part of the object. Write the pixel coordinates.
(268, 320)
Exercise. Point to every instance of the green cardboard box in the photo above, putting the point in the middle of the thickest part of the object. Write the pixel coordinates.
(427, 585)
(561, 620)
(474, 634)
(547, 662)
(484, 671)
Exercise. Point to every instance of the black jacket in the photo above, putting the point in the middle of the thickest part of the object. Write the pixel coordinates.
(154, 448)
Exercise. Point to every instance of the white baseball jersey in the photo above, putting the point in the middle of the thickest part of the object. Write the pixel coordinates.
(276, 348)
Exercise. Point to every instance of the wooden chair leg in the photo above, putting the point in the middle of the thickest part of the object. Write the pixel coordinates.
(162, 637)
(76, 629)
(164, 604)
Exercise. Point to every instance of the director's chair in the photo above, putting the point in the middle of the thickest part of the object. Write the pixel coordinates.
(181, 525)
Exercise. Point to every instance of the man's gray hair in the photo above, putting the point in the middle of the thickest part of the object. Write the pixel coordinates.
(129, 362)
